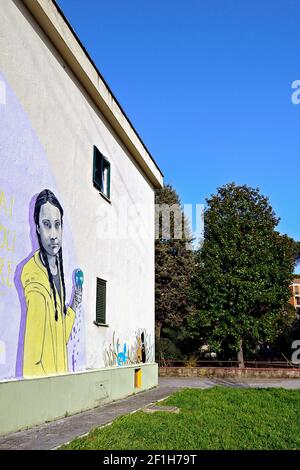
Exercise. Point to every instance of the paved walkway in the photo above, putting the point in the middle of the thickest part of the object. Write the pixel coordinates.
(52, 435)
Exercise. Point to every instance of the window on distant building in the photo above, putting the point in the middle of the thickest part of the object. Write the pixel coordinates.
(296, 290)
(101, 173)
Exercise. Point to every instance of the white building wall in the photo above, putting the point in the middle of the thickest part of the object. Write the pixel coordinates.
(68, 124)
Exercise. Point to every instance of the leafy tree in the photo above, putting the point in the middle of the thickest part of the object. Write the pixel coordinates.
(169, 345)
(287, 330)
(243, 271)
(174, 262)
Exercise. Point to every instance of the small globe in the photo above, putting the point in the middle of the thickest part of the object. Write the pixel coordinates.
(79, 278)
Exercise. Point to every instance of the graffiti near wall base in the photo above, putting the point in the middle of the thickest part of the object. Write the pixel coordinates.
(120, 354)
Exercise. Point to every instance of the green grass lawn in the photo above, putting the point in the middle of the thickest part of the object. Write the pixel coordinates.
(216, 418)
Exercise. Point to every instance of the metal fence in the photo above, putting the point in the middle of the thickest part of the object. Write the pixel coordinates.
(233, 364)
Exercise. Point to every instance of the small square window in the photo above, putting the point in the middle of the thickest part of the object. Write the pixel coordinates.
(101, 173)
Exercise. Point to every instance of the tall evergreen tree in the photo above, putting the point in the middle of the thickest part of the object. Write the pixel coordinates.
(174, 262)
(243, 272)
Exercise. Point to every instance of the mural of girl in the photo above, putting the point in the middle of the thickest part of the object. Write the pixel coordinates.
(49, 322)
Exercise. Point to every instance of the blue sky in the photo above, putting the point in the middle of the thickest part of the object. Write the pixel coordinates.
(207, 85)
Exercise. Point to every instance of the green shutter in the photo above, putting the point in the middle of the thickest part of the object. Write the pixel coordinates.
(97, 169)
(99, 163)
(101, 301)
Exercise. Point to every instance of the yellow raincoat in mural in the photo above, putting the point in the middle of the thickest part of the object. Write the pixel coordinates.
(45, 345)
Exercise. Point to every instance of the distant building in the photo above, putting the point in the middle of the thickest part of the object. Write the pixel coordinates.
(295, 293)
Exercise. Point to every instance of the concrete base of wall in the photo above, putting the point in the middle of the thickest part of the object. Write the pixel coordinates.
(228, 372)
(29, 402)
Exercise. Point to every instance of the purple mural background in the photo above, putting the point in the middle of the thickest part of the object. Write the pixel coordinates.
(24, 172)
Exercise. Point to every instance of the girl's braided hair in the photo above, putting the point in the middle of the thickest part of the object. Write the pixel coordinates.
(47, 196)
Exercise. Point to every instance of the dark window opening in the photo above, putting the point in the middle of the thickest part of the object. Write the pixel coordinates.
(101, 173)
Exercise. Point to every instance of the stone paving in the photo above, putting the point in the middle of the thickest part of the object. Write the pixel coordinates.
(52, 435)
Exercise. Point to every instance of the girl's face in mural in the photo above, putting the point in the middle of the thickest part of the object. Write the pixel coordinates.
(50, 228)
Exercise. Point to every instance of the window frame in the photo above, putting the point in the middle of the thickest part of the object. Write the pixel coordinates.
(97, 155)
